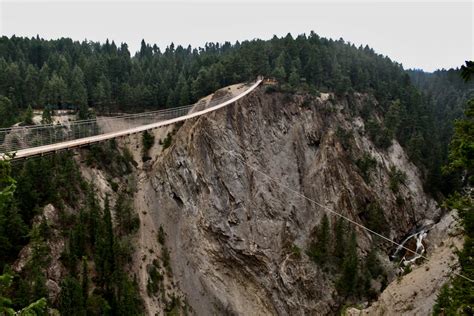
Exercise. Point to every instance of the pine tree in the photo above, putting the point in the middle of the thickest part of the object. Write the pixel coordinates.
(47, 116)
(102, 93)
(28, 116)
(78, 96)
(348, 282)
(340, 243)
(456, 297)
(279, 74)
(12, 226)
(7, 112)
(183, 91)
(319, 249)
(294, 79)
(54, 92)
(85, 281)
(106, 248)
(126, 220)
(71, 300)
(392, 118)
(14, 84)
(31, 86)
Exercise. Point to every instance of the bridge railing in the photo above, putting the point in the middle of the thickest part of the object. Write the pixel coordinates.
(23, 137)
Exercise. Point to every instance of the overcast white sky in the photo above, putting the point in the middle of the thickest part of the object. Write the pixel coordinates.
(425, 34)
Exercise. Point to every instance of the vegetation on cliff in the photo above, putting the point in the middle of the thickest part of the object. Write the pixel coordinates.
(457, 297)
(55, 74)
(69, 74)
(96, 254)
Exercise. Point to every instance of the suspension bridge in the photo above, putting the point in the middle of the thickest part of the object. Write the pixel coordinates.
(20, 142)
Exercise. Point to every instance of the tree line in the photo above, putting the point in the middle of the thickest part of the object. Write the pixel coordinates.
(64, 73)
(456, 297)
(96, 253)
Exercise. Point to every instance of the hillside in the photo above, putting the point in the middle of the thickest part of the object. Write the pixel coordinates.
(227, 213)
(52, 74)
(240, 243)
(222, 220)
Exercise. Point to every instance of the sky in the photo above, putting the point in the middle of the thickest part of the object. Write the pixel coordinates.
(427, 35)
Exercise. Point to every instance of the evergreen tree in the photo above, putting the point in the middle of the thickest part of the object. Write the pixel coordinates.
(31, 86)
(13, 84)
(12, 227)
(105, 256)
(85, 282)
(102, 93)
(183, 91)
(38, 307)
(376, 219)
(348, 282)
(71, 300)
(456, 297)
(319, 249)
(7, 112)
(461, 149)
(127, 221)
(392, 118)
(340, 232)
(78, 95)
(54, 92)
(28, 116)
(294, 79)
(47, 116)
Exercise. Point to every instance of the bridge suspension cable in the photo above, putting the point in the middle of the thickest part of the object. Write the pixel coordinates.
(322, 206)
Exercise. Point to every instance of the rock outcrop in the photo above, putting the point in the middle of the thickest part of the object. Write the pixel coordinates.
(415, 293)
(228, 193)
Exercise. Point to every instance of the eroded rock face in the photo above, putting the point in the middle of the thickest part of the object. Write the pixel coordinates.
(232, 226)
(416, 292)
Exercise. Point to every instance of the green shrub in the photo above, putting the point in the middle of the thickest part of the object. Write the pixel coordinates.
(380, 136)
(165, 258)
(155, 279)
(161, 235)
(148, 140)
(28, 116)
(397, 178)
(172, 306)
(296, 251)
(344, 138)
(306, 103)
(167, 141)
(271, 89)
(106, 156)
(375, 218)
(128, 156)
(366, 164)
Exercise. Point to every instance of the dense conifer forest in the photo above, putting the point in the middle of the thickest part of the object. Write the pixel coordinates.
(63, 73)
(457, 297)
(418, 110)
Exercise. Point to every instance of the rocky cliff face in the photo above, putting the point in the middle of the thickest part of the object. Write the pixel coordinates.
(236, 238)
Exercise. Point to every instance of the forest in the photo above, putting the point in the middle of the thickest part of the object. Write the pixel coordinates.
(55, 74)
(418, 110)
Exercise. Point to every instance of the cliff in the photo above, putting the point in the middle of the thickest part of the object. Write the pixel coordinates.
(236, 212)
(237, 239)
